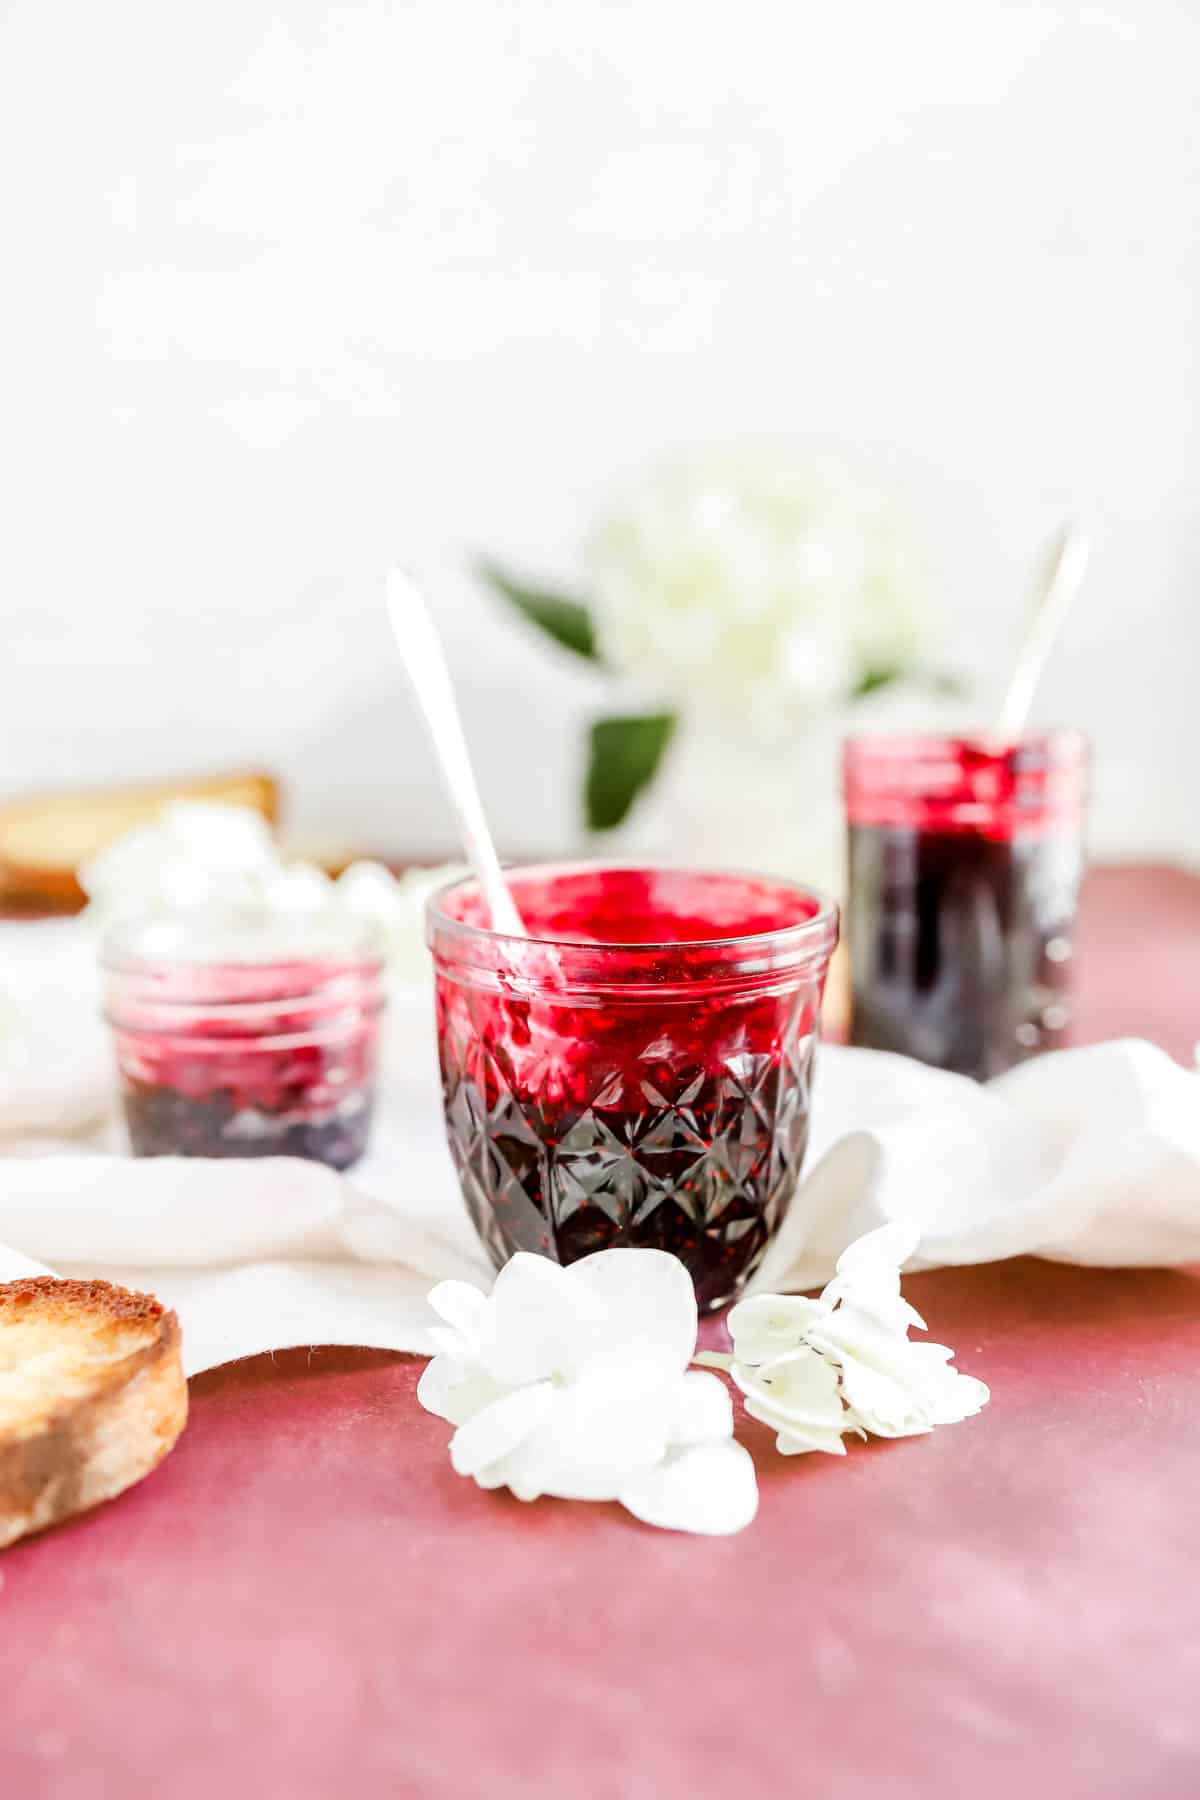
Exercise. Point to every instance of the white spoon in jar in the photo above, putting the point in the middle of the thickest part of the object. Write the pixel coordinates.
(1061, 582)
(425, 665)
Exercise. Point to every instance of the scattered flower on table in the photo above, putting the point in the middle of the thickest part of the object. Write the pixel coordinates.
(576, 1382)
(815, 1370)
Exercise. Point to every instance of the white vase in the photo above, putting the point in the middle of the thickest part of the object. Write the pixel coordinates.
(732, 797)
(727, 799)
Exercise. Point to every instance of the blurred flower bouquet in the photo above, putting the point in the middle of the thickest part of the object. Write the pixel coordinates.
(744, 598)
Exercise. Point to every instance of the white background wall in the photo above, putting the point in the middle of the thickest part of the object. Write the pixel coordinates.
(289, 291)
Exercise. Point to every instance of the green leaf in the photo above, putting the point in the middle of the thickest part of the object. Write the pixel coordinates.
(870, 679)
(938, 681)
(567, 621)
(625, 754)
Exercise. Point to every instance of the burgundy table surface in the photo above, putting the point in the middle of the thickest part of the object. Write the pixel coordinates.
(305, 1601)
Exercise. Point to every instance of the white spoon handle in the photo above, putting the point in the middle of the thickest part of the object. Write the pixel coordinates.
(425, 664)
(1064, 576)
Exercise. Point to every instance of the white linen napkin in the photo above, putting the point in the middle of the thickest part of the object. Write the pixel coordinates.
(1089, 1156)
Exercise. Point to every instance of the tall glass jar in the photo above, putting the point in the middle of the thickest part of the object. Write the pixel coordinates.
(637, 1071)
(965, 861)
(241, 1035)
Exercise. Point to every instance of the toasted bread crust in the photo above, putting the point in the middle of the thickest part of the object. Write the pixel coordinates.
(44, 837)
(51, 1294)
(116, 1409)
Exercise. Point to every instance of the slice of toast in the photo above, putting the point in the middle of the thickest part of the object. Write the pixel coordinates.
(92, 1396)
(45, 837)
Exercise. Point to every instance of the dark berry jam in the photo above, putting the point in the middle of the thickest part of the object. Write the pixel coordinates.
(165, 1121)
(638, 1073)
(965, 866)
(222, 1057)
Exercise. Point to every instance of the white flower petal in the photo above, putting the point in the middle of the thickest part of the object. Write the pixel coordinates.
(496, 1475)
(705, 1488)
(889, 1247)
(492, 1433)
(795, 1433)
(970, 1395)
(599, 1434)
(461, 1305)
(868, 1276)
(851, 1332)
(454, 1390)
(798, 1396)
(767, 1324)
(450, 1343)
(436, 1385)
(799, 1389)
(884, 1403)
(792, 1442)
(531, 1322)
(636, 1307)
(878, 1294)
(440, 1376)
(703, 1411)
(875, 1371)
(895, 1388)
(945, 1395)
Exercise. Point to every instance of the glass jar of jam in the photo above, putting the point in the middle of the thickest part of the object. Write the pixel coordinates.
(965, 861)
(638, 1070)
(242, 1035)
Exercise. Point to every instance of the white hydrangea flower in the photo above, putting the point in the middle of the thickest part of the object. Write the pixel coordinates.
(816, 1369)
(868, 1277)
(771, 1325)
(575, 1382)
(797, 1395)
(759, 583)
(892, 1387)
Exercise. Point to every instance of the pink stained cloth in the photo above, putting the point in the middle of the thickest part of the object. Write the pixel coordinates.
(305, 1600)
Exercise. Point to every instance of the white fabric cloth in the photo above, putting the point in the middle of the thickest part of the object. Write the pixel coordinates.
(1089, 1156)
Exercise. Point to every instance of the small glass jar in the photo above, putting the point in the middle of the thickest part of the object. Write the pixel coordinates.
(242, 1035)
(966, 857)
(638, 1071)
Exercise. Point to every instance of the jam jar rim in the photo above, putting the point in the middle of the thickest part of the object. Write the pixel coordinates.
(740, 954)
(966, 779)
(1066, 745)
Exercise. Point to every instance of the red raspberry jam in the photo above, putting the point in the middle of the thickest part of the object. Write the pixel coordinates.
(965, 863)
(638, 1070)
(245, 1037)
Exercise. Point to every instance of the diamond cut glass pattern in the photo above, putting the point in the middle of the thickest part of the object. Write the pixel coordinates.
(633, 1094)
(706, 1173)
(703, 1163)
